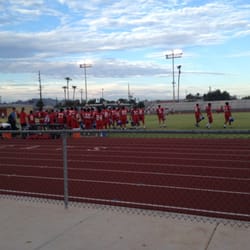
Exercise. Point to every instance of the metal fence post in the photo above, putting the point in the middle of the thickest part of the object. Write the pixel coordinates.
(65, 171)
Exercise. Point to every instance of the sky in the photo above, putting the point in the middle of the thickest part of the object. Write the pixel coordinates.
(126, 43)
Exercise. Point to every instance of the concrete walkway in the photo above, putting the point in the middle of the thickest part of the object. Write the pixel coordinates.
(44, 226)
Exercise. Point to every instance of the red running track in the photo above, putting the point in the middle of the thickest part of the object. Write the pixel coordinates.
(208, 177)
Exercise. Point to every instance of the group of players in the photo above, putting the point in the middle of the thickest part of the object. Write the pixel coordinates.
(199, 116)
(103, 117)
(160, 111)
(84, 118)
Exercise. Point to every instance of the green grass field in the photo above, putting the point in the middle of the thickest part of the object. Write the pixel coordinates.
(187, 121)
(180, 122)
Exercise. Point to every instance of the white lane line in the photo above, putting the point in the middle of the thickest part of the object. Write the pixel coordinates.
(151, 173)
(98, 148)
(131, 184)
(160, 206)
(32, 147)
(129, 203)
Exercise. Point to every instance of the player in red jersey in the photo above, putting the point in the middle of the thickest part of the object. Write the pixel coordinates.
(31, 120)
(209, 115)
(142, 116)
(87, 119)
(135, 117)
(41, 115)
(161, 116)
(61, 118)
(227, 114)
(106, 117)
(198, 115)
(23, 118)
(98, 119)
(72, 118)
(123, 117)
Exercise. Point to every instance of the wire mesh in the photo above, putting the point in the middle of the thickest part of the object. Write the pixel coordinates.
(202, 179)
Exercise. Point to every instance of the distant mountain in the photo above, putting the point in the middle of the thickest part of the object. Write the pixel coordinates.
(46, 101)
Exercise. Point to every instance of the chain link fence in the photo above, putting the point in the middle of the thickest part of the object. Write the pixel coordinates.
(180, 174)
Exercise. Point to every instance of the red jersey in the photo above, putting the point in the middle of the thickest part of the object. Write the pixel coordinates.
(31, 119)
(209, 113)
(22, 117)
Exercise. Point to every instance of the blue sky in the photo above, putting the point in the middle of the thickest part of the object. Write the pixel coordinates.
(126, 42)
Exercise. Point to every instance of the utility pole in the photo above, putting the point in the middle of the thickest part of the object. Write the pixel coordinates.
(130, 97)
(64, 88)
(172, 55)
(81, 91)
(179, 75)
(74, 91)
(40, 102)
(85, 66)
(40, 86)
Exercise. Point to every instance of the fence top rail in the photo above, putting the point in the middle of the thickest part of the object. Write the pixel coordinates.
(131, 131)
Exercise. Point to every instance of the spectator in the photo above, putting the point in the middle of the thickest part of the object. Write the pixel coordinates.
(12, 118)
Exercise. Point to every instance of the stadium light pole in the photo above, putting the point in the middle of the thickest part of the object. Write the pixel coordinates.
(64, 89)
(85, 66)
(74, 92)
(179, 75)
(68, 79)
(172, 55)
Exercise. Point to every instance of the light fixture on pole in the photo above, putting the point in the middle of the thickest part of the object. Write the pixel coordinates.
(179, 74)
(85, 66)
(172, 55)
(68, 79)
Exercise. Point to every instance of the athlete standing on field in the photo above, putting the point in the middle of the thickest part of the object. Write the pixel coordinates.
(209, 115)
(227, 114)
(198, 115)
(161, 116)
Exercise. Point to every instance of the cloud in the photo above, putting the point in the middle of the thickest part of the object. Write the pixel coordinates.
(133, 27)
(51, 36)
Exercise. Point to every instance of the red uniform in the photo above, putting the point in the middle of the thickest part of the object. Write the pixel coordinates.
(160, 114)
(135, 117)
(106, 118)
(23, 118)
(60, 117)
(198, 115)
(227, 114)
(99, 120)
(123, 117)
(31, 119)
(141, 116)
(209, 113)
(87, 119)
(41, 115)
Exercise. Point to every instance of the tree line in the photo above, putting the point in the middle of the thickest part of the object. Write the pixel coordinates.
(216, 95)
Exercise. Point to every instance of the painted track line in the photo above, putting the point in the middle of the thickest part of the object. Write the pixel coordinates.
(129, 184)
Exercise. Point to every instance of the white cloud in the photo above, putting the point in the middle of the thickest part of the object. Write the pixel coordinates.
(120, 30)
